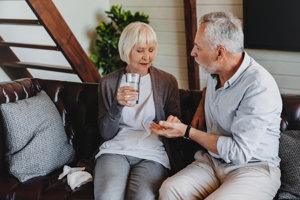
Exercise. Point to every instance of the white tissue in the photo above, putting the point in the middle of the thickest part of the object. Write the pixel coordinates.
(79, 178)
(75, 176)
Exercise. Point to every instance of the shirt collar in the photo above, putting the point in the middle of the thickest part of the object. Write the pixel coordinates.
(238, 73)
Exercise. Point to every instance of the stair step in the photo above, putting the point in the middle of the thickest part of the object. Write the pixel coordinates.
(20, 21)
(55, 68)
(32, 46)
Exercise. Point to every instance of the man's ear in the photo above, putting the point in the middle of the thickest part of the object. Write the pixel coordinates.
(221, 52)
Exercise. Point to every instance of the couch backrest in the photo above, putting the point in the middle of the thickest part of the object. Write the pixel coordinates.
(76, 102)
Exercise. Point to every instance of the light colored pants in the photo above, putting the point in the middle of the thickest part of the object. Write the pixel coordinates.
(119, 177)
(211, 179)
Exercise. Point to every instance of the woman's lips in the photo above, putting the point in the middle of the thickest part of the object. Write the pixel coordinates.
(144, 64)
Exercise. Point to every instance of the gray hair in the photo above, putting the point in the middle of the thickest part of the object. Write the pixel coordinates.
(136, 34)
(223, 29)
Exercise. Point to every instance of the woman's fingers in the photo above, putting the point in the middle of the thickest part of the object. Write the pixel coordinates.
(157, 126)
(126, 93)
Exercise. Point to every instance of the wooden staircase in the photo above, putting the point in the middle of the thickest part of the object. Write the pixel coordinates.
(49, 17)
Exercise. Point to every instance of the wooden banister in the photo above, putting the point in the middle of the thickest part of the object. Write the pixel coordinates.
(7, 55)
(61, 34)
(49, 17)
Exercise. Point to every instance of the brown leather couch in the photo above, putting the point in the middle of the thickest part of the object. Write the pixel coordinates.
(77, 104)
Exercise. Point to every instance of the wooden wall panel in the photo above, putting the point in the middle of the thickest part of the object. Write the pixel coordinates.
(283, 65)
(169, 26)
(167, 19)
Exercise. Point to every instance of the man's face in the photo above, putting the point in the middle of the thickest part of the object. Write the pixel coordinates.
(203, 54)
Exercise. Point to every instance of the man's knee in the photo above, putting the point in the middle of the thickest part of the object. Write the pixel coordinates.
(145, 195)
(168, 189)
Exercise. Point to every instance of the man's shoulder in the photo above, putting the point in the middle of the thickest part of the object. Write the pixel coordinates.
(258, 73)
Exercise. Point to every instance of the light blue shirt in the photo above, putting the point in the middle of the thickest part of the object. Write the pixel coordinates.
(245, 113)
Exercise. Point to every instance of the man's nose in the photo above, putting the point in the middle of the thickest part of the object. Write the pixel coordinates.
(193, 53)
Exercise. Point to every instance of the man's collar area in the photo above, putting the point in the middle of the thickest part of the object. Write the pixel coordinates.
(241, 69)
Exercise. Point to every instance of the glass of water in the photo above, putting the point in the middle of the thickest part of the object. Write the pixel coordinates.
(133, 80)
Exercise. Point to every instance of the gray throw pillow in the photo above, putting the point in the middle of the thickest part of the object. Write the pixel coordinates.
(36, 142)
(289, 149)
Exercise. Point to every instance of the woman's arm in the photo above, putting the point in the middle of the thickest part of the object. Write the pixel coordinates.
(109, 110)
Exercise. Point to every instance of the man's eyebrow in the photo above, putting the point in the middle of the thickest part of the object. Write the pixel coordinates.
(196, 44)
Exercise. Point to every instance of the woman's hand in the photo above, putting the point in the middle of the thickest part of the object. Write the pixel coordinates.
(171, 128)
(126, 93)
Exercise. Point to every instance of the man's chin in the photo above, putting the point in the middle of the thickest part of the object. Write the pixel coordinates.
(205, 70)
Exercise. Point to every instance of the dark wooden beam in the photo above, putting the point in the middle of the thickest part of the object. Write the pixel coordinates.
(7, 55)
(190, 17)
(58, 29)
(20, 21)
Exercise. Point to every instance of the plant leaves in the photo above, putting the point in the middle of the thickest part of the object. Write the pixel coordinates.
(106, 46)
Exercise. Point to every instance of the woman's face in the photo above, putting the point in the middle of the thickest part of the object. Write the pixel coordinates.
(141, 58)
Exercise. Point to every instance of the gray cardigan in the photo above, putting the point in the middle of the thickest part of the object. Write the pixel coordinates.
(166, 102)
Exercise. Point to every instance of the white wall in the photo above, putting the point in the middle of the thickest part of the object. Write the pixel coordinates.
(82, 16)
(283, 65)
(167, 19)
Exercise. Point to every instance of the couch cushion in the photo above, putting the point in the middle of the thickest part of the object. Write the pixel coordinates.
(290, 165)
(36, 142)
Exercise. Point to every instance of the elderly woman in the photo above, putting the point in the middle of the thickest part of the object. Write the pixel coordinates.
(133, 162)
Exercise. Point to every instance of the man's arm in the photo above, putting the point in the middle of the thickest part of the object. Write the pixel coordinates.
(199, 116)
(177, 129)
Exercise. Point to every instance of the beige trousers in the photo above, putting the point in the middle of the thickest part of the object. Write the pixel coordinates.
(211, 179)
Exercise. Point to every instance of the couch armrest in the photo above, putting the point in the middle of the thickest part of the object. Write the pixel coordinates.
(290, 112)
(76, 102)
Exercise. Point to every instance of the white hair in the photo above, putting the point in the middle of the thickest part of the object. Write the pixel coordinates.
(223, 29)
(135, 34)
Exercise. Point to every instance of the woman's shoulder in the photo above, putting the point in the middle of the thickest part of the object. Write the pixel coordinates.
(163, 74)
(113, 75)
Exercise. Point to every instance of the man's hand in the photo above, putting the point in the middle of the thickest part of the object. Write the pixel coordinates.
(199, 116)
(171, 128)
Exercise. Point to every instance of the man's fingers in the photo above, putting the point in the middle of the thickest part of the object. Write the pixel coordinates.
(165, 124)
(157, 126)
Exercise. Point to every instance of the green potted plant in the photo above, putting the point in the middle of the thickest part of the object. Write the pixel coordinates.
(106, 58)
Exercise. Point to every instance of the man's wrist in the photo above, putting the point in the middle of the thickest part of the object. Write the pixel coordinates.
(187, 132)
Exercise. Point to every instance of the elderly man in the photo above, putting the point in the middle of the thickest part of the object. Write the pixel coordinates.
(242, 114)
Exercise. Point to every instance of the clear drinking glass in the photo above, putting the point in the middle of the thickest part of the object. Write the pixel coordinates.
(133, 80)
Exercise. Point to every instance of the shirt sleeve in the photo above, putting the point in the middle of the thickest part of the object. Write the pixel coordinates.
(257, 116)
(109, 111)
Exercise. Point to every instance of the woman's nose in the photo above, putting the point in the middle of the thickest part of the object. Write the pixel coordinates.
(146, 56)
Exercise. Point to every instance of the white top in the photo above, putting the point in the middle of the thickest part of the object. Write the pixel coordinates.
(134, 137)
